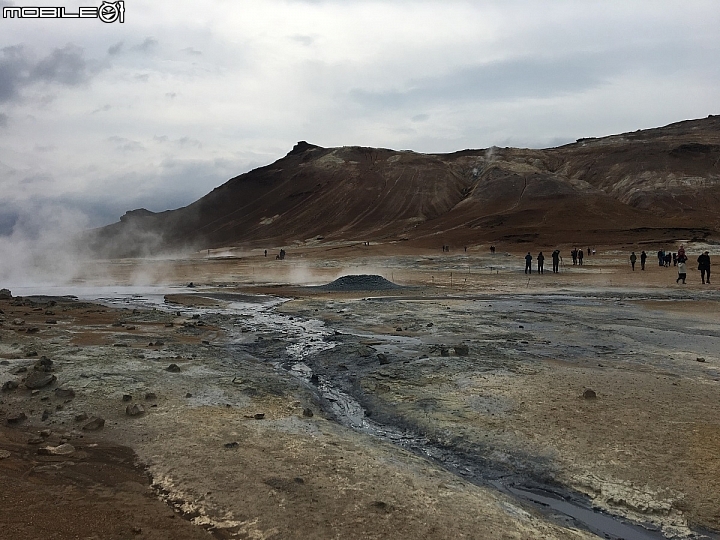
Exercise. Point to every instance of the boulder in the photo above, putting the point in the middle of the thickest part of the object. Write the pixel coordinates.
(64, 393)
(173, 368)
(589, 394)
(39, 379)
(383, 359)
(94, 424)
(9, 385)
(81, 417)
(61, 450)
(15, 417)
(5, 294)
(462, 350)
(134, 410)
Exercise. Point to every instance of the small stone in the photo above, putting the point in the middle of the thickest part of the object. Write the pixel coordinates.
(307, 413)
(700, 359)
(61, 450)
(127, 397)
(521, 326)
(4, 454)
(4, 363)
(94, 424)
(136, 530)
(444, 351)
(259, 416)
(9, 385)
(44, 364)
(21, 369)
(589, 394)
(32, 330)
(64, 393)
(45, 433)
(45, 415)
(205, 342)
(35, 440)
(462, 350)
(233, 444)
(173, 368)
(120, 345)
(81, 417)
(134, 410)
(150, 396)
(16, 417)
(188, 395)
(130, 327)
(314, 379)
(429, 325)
(38, 379)
(18, 322)
(50, 321)
(383, 359)
(399, 329)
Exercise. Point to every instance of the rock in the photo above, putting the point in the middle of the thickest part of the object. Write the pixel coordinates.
(127, 397)
(233, 444)
(4, 454)
(9, 385)
(173, 368)
(307, 413)
(64, 393)
(120, 345)
(429, 325)
(61, 450)
(21, 369)
(44, 364)
(49, 312)
(462, 350)
(150, 396)
(45, 415)
(314, 379)
(4, 363)
(700, 359)
(188, 395)
(444, 351)
(16, 417)
(383, 359)
(134, 410)
(32, 330)
(81, 417)
(521, 326)
(18, 322)
(36, 440)
(45, 433)
(38, 379)
(5, 294)
(136, 530)
(259, 416)
(130, 327)
(589, 394)
(50, 321)
(399, 329)
(94, 424)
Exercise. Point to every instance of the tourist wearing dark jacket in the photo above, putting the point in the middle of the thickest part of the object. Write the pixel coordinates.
(704, 266)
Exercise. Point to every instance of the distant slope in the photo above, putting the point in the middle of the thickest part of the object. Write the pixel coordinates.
(663, 181)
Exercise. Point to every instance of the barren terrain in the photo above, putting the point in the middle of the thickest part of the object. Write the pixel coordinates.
(442, 409)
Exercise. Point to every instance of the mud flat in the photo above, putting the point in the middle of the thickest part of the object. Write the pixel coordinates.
(422, 412)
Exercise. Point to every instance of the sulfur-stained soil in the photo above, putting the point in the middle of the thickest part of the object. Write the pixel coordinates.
(407, 412)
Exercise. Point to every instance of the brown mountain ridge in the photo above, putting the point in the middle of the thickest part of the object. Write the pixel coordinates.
(655, 184)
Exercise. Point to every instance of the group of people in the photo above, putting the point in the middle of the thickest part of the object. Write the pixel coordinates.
(678, 259)
(541, 262)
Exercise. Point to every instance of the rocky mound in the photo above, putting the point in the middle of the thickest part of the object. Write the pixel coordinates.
(361, 282)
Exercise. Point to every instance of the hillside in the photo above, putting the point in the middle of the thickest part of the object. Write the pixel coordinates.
(654, 184)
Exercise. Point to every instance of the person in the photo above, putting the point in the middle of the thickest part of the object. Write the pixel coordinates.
(541, 262)
(580, 256)
(588, 252)
(633, 258)
(668, 260)
(573, 254)
(556, 261)
(492, 249)
(682, 271)
(661, 257)
(704, 266)
(674, 255)
(681, 255)
(643, 258)
(266, 252)
(528, 263)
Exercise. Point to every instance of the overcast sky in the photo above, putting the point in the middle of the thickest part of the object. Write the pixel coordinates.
(97, 119)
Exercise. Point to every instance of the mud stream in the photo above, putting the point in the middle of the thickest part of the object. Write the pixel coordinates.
(293, 343)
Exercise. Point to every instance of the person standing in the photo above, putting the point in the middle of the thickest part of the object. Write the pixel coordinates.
(633, 258)
(541, 262)
(643, 257)
(704, 266)
(580, 256)
(573, 254)
(556, 261)
(528, 263)
(682, 271)
(681, 256)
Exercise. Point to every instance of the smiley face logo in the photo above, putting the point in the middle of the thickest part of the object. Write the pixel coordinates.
(110, 12)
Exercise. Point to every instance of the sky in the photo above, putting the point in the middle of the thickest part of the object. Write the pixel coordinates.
(154, 112)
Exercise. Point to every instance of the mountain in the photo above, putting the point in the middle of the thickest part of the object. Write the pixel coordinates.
(655, 184)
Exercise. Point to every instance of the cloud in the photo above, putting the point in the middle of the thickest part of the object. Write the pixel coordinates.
(125, 145)
(104, 108)
(148, 46)
(171, 95)
(305, 40)
(64, 66)
(4, 120)
(115, 49)
(191, 51)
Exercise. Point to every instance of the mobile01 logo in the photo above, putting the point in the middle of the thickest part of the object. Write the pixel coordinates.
(108, 12)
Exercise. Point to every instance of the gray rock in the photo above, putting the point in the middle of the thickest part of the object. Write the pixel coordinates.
(16, 417)
(44, 364)
(94, 424)
(259, 416)
(18, 322)
(127, 397)
(173, 368)
(589, 394)
(462, 350)
(5, 294)
(4, 454)
(700, 359)
(39, 379)
(307, 413)
(81, 417)
(134, 410)
(64, 393)
(4, 363)
(9, 385)
(150, 396)
(444, 351)
(383, 359)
